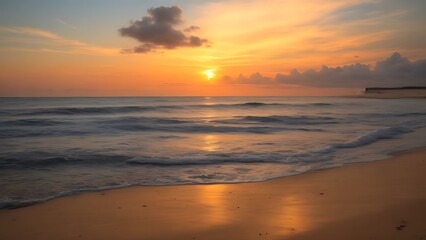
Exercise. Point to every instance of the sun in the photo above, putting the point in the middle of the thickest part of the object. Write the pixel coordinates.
(210, 73)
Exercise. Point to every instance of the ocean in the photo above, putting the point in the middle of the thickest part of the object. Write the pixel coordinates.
(53, 147)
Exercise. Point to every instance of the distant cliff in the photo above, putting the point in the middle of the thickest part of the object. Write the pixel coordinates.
(392, 89)
(400, 92)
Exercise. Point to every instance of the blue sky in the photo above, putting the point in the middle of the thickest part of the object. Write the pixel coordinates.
(91, 20)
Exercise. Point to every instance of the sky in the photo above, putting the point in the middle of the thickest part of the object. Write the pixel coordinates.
(209, 47)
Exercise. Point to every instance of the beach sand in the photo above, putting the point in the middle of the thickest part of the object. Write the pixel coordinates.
(377, 200)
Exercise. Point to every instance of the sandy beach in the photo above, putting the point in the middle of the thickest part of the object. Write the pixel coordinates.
(377, 200)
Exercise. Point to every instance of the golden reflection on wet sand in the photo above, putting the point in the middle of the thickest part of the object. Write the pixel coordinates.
(278, 214)
(293, 215)
(213, 198)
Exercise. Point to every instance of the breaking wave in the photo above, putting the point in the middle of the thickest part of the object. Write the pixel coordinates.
(30, 159)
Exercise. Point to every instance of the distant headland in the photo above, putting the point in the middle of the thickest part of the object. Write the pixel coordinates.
(396, 92)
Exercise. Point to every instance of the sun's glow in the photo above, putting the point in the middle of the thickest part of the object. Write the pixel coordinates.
(210, 73)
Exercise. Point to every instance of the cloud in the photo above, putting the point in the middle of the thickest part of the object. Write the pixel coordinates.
(191, 28)
(356, 12)
(66, 24)
(158, 30)
(399, 70)
(45, 41)
(255, 78)
(35, 32)
(354, 75)
(392, 72)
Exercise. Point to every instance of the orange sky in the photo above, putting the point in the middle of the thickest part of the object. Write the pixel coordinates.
(39, 57)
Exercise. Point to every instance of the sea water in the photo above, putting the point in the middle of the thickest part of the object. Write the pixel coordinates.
(51, 147)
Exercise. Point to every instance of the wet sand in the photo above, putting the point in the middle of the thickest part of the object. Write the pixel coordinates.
(378, 200)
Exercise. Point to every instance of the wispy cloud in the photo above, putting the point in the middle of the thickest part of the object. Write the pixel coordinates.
(303, 33)
(45, 41)
(66, 24)
(35, 32)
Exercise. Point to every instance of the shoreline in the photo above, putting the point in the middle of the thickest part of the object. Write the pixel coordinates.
(112, 188)
(304, 206)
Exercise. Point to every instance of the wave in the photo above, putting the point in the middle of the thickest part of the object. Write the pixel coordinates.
(39, 132)
(234, 125)
(87, 110)
(47, 128)
(260, 104)
(47, 159)
(299, 120)
(254, 104)
(315, 155)
(309, 156)
(145, 120)
(368, 138)
(31, 122)
(388, 115)
(44, 159)
(14, 203)
(132, 109)
(208, 128)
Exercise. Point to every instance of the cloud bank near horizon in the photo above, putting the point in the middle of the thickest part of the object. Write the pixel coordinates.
(394, 71)
(158, 30)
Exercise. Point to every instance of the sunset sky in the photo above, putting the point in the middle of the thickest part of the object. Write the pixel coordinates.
(176, 48)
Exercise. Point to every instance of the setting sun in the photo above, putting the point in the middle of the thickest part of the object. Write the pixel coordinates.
(210, 73)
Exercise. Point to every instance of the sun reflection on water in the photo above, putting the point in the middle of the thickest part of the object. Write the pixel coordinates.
(211, 143)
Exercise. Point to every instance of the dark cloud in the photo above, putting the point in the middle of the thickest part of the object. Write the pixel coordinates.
(394, 71)
(255, 78)
(354, 75)
(165, 15)
(159, 30)
(399, 70)
(191, 29)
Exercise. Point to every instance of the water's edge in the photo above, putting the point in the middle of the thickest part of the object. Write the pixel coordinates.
(391, 154)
